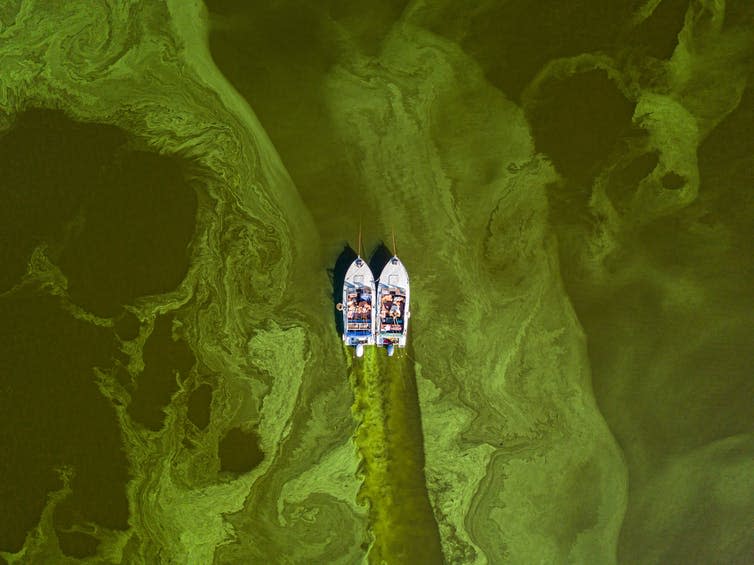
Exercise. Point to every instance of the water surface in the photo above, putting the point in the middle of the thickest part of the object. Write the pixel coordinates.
(569, 185)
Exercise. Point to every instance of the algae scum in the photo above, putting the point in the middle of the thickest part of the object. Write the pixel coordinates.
(571, 187)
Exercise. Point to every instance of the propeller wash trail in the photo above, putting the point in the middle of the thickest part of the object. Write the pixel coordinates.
(389, 437)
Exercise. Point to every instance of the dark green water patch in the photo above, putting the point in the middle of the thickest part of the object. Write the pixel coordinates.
(278, 58)
(256, 30)
(716, 402)
(638, 168)
(513, 40)
(123, 377)
(52, 414)
(48, 164)
(580, 513)
(77, 544)
(165, 359)
(657, 36)
(738, 14)
(577, 121)
(672, 181)
(118, 222)
(726, 173)
(239, 451)
(729, 148)
(686, 384)
(368, 22)
(199, 404)
(625, 180)
(127, 326)
(133, 234)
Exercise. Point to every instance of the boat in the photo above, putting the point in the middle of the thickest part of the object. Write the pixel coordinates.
(359, 316)
(393, 303)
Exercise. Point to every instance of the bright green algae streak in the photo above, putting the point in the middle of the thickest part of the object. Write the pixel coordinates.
(570, 186)
(390, 441)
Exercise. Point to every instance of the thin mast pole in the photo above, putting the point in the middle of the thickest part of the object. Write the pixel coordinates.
(395, 249)
(359, 238)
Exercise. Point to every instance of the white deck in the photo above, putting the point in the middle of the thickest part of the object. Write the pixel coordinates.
(359, 313)
(393, 294)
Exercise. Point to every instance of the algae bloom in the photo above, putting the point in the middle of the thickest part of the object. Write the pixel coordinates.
(570, 184)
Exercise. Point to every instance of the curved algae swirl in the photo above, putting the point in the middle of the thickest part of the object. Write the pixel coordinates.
(574, 212)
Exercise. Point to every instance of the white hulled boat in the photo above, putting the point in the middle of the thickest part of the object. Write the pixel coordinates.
(359, 317)
(392, 301)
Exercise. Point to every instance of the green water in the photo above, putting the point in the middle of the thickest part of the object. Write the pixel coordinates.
(570, 186)
(389, 438)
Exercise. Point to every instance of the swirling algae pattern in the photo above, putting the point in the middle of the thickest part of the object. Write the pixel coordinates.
(488, 422)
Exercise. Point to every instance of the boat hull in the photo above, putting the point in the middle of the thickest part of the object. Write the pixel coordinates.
(359, 317)
(393, 294)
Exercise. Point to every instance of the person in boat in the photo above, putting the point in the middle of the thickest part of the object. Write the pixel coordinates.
(364, 308)
(387, 302)
(395, 310)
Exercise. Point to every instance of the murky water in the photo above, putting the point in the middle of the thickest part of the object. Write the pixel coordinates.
(570, 189)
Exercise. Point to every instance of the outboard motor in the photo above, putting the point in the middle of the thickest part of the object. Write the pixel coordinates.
(390, 350)
(359, 350)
